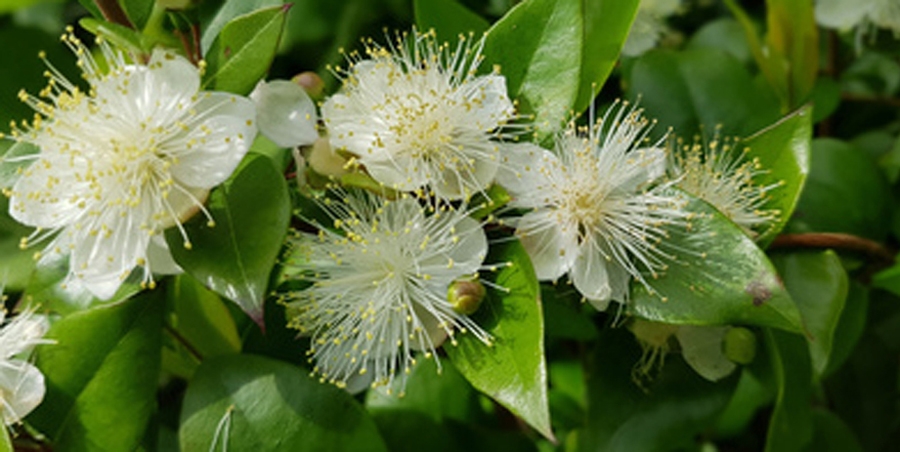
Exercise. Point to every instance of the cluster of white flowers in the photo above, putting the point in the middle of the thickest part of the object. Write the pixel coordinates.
(21, 384)
(860, 14)
(135, 154)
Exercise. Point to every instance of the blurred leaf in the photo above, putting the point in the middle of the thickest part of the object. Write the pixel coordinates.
(699, 89)
(872, 74)
(850, 327)
(783, 150)
(818, 284)
(606, 25)
(564, 317)
(718, 277)
(242, 53)
(138, 11)
(6, 444)
(230, 10)
(121, 36)
(101, 375)
(48, 288)
(251, 403)
(792, 40)
(665, 416)
(749, 396)
(825, 97)
(512, 370)
(831, 434)
(543, 73)
(234, 258)
(845, 192)
(16, 264)
(790, 427)
(724, 34)
(449, 19)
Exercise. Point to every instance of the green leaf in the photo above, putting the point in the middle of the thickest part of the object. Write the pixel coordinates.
(666, 415)
(790, 427)
(749, 396)
(544, 71)
(818, 284)
(850, 326)
(252, 403)
(448, 18)
(831, 434)
(783, 151)
(241, 54)
(845, 192)
(120, 35)
(47, 288)
(138, 11)
(606, 26)
(6, 444)
(230, 10)
(792, 41)
(101, 375)
(512, 371)
(719, 277)
(16, 264)
(15, 160)
(700, 87)
(724, 34)
(234, 258)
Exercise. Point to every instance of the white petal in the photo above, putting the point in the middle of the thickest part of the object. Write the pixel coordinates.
(22, 386)
(590, 275)
(401, 173)
(524, 171)
(645, 165)
(469, 252)
(33, 204)
(490, 105)
(160, 257)
(171, 81)
(552, 250)
(701, 347)
(842, 14)
(102, 262)
(231, 130)
(644, 33)
(285, 113)
(467, 179)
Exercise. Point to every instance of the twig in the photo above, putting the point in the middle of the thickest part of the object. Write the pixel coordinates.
(184, 342)
(834, 240)
(113, 12)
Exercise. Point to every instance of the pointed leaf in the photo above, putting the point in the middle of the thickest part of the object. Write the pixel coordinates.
(242, 53)
(252, 403)
(234, 258)
(101, 375)
(512, 371)
(544, 71)
(790, 427)
(783, 150)
(818, 284)
(719, 277)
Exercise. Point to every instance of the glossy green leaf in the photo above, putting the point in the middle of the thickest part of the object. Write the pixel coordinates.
(790, 426)
(242, 53)
(48, 289)
(227, 12)
(449, 19)
(199, 317)
(850, 326)
(666, 414)
(783, 151)
(543, 74)
(138, 11)
(831, 434)
(439, 392)
(606, 26)
(121, 36)
(101, 375)
(16, 264)
(719, 277)
(6, 444)
(252, 403)
(818, 284)
(234, 258)
(845, 192)
(792, 40)
(512, 371)
(700, 87)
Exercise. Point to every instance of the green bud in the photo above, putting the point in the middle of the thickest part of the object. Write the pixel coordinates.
(465, 295)
(740, 345)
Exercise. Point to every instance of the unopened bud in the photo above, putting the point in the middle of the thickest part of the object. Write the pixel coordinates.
(465, 295)
(311, 82)
(740, 345)
(323, 160)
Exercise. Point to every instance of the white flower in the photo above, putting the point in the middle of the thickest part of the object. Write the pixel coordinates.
(595, 215)
(719, 174)
(416, 115)
(379, 285)
(21, 384)
(846, 14)
(135, 154)
(648, 26)
(285, 113)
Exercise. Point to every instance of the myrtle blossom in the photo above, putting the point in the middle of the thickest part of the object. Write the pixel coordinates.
(285, 113)
(133, 155)
(595, 211)
(21, 384)
(719, 173)
(416, 115)
(861, 14)
(379, 285)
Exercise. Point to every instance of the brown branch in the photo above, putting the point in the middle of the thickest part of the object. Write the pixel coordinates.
(890, 101)
(834, 240)
(113, 12)
(184, 342)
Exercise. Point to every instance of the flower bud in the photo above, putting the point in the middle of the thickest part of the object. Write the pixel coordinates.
(740, 345)
(465, 295)
(311, 82)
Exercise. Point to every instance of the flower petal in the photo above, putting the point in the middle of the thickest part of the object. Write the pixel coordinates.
(102, 260)
(842, 14)
(525, 173)
(34, 203)
(589, 273)
(22, 386)
(701, 348)
(285, 113)
(552, 249)
(489, 104)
